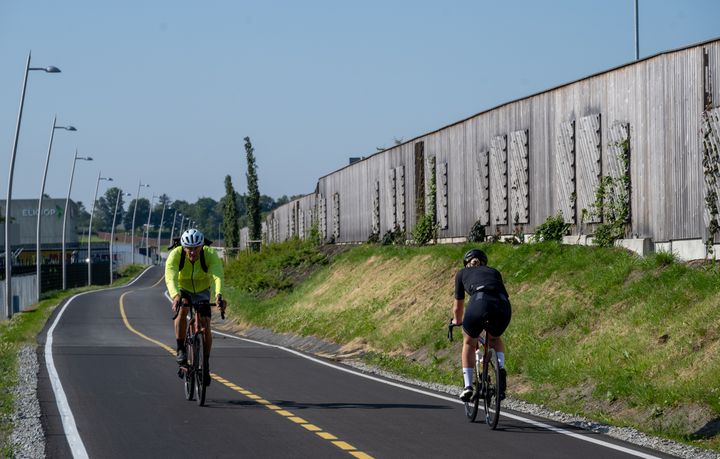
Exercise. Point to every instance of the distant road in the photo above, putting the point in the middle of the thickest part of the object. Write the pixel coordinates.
(125, 400)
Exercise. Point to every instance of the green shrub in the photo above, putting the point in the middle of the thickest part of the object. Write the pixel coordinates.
(552, 229)
(477, 233)
(425, 230)
(394, 237)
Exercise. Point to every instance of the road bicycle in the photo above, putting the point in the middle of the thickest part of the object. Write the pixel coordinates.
(193, 371)
(486, 381)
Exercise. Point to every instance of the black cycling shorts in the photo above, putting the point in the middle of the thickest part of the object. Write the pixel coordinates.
(201, 300)
(486, 311)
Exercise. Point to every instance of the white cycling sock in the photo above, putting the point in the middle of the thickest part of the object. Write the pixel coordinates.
(501, 359)
(468, 376)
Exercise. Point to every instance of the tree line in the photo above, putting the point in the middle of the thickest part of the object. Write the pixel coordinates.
(216, 219)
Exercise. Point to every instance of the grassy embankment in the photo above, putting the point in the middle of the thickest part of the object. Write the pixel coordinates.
(600, 332)
(23, 329)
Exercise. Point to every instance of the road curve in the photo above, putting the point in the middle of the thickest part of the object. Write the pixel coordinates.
(106, 364)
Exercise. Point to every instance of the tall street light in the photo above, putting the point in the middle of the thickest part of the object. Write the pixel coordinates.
(162, 219)
(132, 230)
(38, 252)
(180, 227)
(67, 202)
(112, 230)
(8, 252)
(147, 229)
(92, 211)
(172, 231)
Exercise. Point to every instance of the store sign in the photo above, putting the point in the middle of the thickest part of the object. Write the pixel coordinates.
(33, 212)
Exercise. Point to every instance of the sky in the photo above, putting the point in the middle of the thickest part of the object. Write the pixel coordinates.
(164, 91)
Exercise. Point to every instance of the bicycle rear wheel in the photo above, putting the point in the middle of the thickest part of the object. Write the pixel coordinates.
(189, 382)
(492, 391)
(471, 406)
(200, 368)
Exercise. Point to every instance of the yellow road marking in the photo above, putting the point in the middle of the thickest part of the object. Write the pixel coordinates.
(360, 454)
(158, 282)
(345, 446)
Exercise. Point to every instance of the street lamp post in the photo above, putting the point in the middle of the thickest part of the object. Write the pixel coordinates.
(147, 229)
(67, 202)
(38, 252)
(112, 231)
(8, 201)
(92, 211)
(172, 231)
(132, 230)
(162, 219)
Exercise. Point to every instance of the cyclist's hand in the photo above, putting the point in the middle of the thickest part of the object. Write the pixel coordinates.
(175, 306)
(176, 303)
(221, 305)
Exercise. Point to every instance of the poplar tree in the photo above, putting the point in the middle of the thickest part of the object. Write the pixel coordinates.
(230, 217)
(252, 199)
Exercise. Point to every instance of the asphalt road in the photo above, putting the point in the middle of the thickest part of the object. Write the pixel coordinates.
(124, 399)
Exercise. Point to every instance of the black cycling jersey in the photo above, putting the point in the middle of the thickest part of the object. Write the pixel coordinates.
(470, 278)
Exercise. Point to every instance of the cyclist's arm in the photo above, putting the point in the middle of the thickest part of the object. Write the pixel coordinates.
(459, 303)
(458, 309)
(172, 265)
(215, 270)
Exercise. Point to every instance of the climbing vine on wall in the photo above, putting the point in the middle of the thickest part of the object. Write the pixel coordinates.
(711, 170)
(612, 200)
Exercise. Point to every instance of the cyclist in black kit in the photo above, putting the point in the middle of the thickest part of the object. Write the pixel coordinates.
(488, 308)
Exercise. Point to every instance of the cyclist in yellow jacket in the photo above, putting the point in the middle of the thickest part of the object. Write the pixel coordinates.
(192, 271)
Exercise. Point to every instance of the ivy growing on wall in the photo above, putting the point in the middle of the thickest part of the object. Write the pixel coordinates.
(711, 170)
(426, 228)
(612, 200)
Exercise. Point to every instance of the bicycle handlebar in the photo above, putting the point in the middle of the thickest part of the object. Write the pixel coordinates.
(450, 328)
(177, 310)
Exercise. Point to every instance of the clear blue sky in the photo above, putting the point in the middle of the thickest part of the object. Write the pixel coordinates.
(165, 91)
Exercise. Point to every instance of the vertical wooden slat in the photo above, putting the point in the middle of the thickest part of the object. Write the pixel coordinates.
(588, 165)
(498, 181)
(519, 177)
(565, 169)
(483, 184)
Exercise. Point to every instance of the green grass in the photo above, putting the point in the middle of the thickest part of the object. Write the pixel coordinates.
(22, 330)
(596, 331)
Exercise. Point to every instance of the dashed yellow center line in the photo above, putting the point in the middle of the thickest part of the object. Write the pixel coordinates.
(343, 445)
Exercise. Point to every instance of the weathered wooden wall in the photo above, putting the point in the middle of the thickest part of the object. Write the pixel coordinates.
(514, 165)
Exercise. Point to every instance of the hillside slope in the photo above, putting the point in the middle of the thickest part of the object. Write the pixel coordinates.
(598, 332)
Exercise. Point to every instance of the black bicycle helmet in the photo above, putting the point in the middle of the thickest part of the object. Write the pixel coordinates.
(475, 253)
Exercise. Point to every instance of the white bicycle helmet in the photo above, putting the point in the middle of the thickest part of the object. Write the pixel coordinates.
(192, 238)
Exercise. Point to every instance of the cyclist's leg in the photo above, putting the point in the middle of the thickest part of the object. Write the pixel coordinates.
(470, 345)
(180, 328)
(472, 327)
(499, 321)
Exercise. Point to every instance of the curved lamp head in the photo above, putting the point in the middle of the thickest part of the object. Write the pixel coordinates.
(52, 69)
(70, 128)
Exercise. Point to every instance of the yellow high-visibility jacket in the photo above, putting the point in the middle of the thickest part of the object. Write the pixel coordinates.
(192, 277)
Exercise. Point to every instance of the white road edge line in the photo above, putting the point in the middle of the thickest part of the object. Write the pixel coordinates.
(449, 399)
(68, 420)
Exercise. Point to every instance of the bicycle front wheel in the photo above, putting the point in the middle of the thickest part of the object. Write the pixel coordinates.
(492, 391)
(189, 374)
(200, 368)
